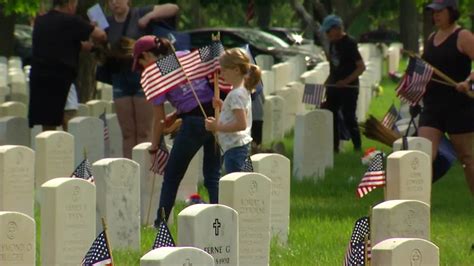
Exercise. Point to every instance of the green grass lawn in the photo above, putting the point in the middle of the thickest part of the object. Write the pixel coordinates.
(323, 212)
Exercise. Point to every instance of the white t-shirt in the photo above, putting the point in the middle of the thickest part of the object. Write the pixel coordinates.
(72, 102)
(238, 98)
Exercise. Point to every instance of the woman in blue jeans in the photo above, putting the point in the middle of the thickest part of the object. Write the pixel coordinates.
(192, 134)
(235, 122)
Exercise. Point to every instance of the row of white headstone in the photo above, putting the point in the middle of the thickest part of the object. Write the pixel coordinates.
(400, 226)
(68, 211)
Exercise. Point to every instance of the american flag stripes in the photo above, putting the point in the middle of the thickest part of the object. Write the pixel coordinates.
(374, 177)
(314, 94)
(163, 237)
(390, 117)
(99, 253)
(356, 250)
(84, 171)
(248, 165)
(163, 75)
(202, 62)
(160, 159)
(413, 85)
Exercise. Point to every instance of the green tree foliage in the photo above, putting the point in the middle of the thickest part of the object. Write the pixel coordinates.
(20, 7)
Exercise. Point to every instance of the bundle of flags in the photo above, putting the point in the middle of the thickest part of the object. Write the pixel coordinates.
(160, 158)
(170, 71)
(84, 171)
(374, 177)
(99, 252)
(314, 94)
(390, 117)
(413, 85)
(359, 249)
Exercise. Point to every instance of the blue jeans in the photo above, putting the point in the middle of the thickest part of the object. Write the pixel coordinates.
(126, 84)
(234, 158)
(191, 136)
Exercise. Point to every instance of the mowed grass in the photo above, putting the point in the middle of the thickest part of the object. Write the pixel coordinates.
(323, 212)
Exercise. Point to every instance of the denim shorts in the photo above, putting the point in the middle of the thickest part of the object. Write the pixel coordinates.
(234, 158)
(126, 84)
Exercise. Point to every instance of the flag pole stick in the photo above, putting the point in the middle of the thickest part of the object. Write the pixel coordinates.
(104, 225)
(216, 37)
(151, 197)
(190, 84)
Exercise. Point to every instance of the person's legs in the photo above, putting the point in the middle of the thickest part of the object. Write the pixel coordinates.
(211, 168)
(143, 119)
(333, 104)
(126, 118)
(463, 146)
(350, 119)
(432, 134)
(234, 159)
(186, 144)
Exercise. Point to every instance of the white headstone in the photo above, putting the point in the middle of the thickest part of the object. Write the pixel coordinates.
(118, 200)
(13, 108)
(17, 239)
(83, 109)
(409, 176)
(415, 143)
(167, 256)
(282, 74)
(313, 144)
(17, 171)
(400, 218)
(54, 156)
(273, 117)
(88, 135)
(150, 184)
(97, 107)
(268, 81)
(68, 213)
(14, 131)
(213, 228)
(405, 251)
(277, 168)
(264, 61)
(115, 136)
(292, 101)
(250, 195)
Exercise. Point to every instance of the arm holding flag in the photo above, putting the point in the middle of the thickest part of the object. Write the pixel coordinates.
(466, 39)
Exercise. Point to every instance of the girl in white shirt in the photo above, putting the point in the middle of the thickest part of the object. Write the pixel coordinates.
(234, 124)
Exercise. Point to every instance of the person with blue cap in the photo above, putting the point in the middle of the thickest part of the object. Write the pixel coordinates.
(345, 67)
(447, 109)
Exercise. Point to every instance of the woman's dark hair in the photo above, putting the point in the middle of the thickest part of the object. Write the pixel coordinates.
(454, 15)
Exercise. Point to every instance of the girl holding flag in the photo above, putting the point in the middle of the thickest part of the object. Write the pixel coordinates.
(193, 102)
(234, 124)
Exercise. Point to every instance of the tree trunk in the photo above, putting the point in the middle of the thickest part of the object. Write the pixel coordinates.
(196, 15)
(428, 27)
(408, 21)
(263, 12)
(7, 25)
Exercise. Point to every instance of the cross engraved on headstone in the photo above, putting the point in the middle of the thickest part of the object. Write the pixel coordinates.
(188, 263)
(216, 226)
(415, 258)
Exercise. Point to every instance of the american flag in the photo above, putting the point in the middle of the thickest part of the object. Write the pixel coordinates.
(99, 253)
(84, 171)
(248, 165)
(390, 117)
(163, 237)
(374, 177)
(223, 86)
(202, 62)
(413, 85)
(356, 249)
(160, 159)
(162, 76)
(314, 94)
(106, 135)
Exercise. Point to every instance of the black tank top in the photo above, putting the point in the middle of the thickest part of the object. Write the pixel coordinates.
(448, 59)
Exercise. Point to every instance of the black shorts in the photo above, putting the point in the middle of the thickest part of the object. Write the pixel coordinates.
(450, 119)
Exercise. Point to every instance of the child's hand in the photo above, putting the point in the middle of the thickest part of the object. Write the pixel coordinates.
(217, 103)
(211, 124)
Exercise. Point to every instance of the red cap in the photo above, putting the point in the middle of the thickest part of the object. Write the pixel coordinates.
(143, 44)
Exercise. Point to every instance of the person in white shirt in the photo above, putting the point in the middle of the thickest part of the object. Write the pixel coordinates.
(233, 127)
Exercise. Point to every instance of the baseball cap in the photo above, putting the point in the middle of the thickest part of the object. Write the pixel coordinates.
(331, 21)
(441, 4)
(143, 44)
